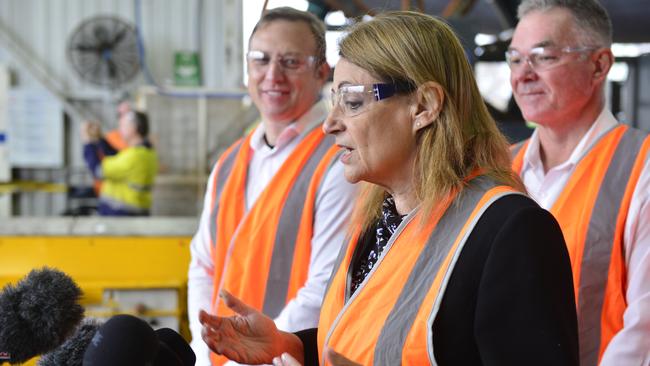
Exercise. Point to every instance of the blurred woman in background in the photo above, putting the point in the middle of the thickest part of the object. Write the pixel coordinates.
(127, 175)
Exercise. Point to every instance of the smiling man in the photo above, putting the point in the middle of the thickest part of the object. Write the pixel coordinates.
(590, 171)
(277, 203)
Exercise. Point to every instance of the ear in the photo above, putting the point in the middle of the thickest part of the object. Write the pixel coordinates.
(602, 59)
(323, 71)
(429, 99)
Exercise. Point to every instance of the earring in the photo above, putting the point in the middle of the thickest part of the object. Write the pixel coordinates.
(417, 124)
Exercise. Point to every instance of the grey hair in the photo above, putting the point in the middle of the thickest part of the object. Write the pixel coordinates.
(592, 20)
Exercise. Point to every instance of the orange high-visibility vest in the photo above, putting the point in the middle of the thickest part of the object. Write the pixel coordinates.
(114, 138)
(389, 319)
(592, 210)
(262, 256)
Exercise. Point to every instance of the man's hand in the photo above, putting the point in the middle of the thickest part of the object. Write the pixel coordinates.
(249, 337)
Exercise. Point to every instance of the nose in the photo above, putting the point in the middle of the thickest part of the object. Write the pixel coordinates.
(274, 71)
(523, 71)
(523, 68)
(332, 124)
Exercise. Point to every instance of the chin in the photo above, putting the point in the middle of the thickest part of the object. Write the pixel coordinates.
(352, 177)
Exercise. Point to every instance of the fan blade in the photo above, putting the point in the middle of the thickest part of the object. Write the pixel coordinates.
(118, 38)
(87, 48)
(112, 69)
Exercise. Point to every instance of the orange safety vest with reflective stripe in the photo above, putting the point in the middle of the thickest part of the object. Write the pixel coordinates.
(592, 211)
(262, 256)
(389, 319)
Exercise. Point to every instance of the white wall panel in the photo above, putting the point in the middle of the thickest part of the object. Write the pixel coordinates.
(43, 27)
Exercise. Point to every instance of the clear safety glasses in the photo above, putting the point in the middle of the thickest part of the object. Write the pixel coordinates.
(542, 58)
(353, 100)
(259, 62)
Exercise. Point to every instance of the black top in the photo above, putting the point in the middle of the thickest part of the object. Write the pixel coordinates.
(509, 300)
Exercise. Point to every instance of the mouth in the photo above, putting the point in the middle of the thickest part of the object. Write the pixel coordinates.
(275, 93)
(528, 93)
(346, 153)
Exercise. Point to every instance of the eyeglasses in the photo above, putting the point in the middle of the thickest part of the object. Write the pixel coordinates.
(542, 58)
(259, 61)
(355, 99)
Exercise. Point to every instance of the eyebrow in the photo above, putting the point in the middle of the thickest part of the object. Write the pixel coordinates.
(343, 83)
(545, 43)
(288, 53)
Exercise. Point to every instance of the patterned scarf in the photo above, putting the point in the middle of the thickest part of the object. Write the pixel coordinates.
(385, 228)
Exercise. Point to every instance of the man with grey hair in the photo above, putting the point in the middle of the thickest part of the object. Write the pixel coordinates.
(590, 171)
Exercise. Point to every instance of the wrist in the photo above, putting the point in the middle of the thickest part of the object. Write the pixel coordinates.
(292, 345)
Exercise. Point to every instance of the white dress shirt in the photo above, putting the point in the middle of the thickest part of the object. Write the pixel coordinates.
(630, 346)
(332, 211)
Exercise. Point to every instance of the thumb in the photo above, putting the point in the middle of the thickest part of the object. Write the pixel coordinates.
(235, 304)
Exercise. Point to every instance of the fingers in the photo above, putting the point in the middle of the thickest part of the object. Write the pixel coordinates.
(211, 338)
(285, 360)
(209, 320)
(235, 304)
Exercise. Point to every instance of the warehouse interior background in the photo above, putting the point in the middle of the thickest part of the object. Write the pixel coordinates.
(183, 63)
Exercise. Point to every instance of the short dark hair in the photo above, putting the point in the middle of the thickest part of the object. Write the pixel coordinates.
(141, 121)
(316, 26)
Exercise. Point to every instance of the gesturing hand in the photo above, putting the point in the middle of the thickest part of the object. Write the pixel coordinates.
(249, 337)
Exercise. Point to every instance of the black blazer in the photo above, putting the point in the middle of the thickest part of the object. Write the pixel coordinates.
(510, 298)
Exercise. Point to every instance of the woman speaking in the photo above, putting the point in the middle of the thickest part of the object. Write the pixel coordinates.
(449, 262)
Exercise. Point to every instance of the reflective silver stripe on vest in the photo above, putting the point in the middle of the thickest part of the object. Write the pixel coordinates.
(339, 260)
(388, 350)
(599, 242)
(119, 205)
(140, 187)
(514, 150)
(277, 284)
(222, 175)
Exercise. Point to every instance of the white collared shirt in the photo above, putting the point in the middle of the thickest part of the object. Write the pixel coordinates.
(630, 346)
(332, 211)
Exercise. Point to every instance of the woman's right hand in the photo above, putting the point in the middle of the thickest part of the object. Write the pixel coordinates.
(249, 337)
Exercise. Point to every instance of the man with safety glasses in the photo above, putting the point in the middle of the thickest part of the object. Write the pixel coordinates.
(277, 204)
(589, 170)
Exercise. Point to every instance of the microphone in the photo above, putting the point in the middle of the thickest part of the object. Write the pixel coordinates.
(181, 352)
(127, 340)
(173, 349)
(38, 314)
(123, 340)
(71, 352)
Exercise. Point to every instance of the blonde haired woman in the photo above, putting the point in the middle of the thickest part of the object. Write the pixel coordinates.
(449, 263)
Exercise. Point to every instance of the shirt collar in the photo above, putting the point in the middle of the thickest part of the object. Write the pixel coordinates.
(605, 122)
(303, 124)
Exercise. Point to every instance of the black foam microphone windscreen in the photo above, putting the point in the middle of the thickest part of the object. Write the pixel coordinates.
(123, 340)
(71, 352)
(38, 314)
(166, 356)
(177, 344)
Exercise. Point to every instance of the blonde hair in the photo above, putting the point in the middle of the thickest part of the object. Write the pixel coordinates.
(413, 48)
